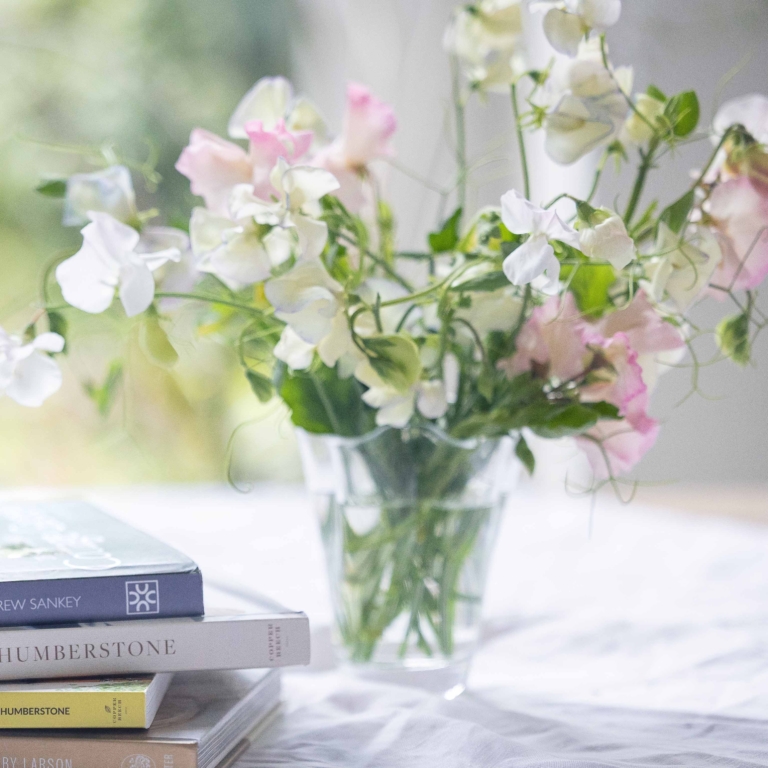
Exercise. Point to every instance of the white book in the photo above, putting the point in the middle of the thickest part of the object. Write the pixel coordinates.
(240, 633)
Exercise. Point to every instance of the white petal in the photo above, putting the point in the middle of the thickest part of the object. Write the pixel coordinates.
(529, 260)
(518, 214)
(48, 342)
(451, 376)
(244, 204)
(240, 261)
(137, 288)
(548, 281)
(572, 130)
(266, 101)
(109, 236)
(600, 14)
(305, 283)
(109, 191)
(313, 235)
(564, 31)
(338, 342)
(293, 350)
(279, 244)
(394, 408)
(304, 184)
(34, 379)
(555, 229)
(87, 280)
(304, 116)
(431, 400)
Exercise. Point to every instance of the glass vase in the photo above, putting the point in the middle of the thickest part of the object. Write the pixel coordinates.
(408, 519)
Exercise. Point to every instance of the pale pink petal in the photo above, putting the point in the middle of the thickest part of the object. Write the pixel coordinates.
(643, 326)
(740, 211)
(368, 126)
(214, 166)
(623, 443)
(266, 146)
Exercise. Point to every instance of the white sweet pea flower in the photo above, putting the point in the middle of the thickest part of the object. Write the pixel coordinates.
(590, 105)
(293, 350)
(534, 261)
(396, 407)
(682, 268)
(111, 258)
(568, 21)
(750, 111)
(308, 299)
(107, 191)
(233, 251)
(299, 190)
(606, 239)
(270, 100)
(486, 38)
(637, 128)
(27, 374)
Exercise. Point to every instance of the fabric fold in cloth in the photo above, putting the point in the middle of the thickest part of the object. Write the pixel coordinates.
(336, 721)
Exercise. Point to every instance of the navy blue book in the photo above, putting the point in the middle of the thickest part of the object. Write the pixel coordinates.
(63, 562)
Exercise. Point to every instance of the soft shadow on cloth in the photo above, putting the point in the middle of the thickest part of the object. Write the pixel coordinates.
(333, 721)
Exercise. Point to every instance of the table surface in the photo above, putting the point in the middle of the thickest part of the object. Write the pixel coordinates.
(614, 635)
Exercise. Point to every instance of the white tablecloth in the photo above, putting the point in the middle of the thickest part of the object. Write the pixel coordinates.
(622, 637)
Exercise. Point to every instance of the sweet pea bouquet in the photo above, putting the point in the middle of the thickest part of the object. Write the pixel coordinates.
(553, 318)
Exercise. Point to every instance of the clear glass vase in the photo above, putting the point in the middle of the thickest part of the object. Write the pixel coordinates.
(408, 519)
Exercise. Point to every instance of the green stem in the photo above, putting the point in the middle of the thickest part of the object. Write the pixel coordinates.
(461, 134)
(642, 174)
(521, 144)
(428, 291)
(210, 300)
(376, 259)
(598, 175)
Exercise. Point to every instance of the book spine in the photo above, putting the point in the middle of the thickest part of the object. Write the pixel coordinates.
(21, 751)
(100, 598)
(170, 645)
(70, 709)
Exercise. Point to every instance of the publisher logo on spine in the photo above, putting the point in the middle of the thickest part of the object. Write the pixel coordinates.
(142, 597)
(137, 761)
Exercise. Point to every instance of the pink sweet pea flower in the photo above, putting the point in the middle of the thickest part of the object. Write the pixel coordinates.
(215, 166)
(267, 146)
(552, 337)
(368, 127)
(646, 331)
(614, 447)
(617, 446)
(739, 209)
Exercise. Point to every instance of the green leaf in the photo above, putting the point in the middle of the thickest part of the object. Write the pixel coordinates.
(260, 384)
(155, 343)
(572, 420)
(590, 286)
(447, 238)
(657, 94)
(491, 281)
(524, 453)
(396, 359)
(486, 382)
(682, 111)
(676, 214)
(732, 336)
(323, 403)
(104, 395)
(56, 188)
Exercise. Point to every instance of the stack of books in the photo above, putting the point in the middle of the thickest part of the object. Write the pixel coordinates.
(111, 658)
